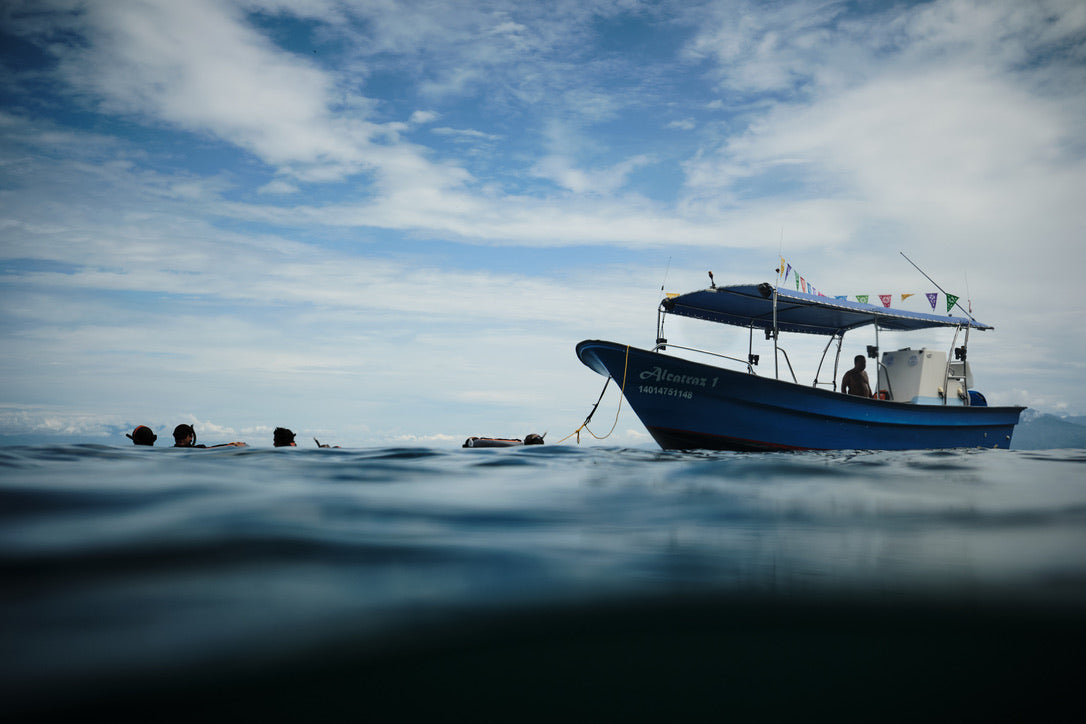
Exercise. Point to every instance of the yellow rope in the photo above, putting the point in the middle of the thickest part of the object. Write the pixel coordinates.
(584, 425)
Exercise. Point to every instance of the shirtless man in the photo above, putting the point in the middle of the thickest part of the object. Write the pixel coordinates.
(855, 381)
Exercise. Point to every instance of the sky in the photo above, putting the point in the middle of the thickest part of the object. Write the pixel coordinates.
(390, 223)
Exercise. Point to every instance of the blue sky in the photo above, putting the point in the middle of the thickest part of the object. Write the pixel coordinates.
(391, 222)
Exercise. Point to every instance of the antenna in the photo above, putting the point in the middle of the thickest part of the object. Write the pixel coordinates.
(666, 270)
(967, 313)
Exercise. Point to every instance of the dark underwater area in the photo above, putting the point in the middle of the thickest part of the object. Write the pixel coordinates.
(547, 581)
(682, 657)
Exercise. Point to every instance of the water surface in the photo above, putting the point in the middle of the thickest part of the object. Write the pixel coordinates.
(133, 577)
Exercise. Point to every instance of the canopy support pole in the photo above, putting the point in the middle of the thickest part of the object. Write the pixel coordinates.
(818, 373)
(776, 364)
(837, 359)
(878, 367)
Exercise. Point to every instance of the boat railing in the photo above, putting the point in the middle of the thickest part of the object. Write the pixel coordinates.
(839, 337)
(886, 379)
(948, 374)
(745, 363)
(789, 363)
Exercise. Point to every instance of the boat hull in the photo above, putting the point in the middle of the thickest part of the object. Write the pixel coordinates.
(688, 405)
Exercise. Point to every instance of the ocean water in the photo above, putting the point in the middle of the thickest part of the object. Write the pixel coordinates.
(558, 580)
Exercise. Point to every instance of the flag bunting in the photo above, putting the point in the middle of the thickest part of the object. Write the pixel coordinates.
(788, 273)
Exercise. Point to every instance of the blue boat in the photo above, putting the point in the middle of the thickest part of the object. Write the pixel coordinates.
(922, 397)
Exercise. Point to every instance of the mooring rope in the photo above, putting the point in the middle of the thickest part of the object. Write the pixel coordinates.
(584, 425)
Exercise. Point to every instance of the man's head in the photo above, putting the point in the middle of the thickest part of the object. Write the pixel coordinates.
(184, 435)
(142, 435)
(861, 362)
(283, 437)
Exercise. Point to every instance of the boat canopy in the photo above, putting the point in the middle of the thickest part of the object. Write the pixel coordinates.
(747, 305)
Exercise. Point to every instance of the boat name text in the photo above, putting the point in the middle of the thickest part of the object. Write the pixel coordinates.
(660, 374)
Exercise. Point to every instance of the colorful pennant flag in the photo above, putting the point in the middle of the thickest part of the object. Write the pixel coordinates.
(787, 271)
(802, 285)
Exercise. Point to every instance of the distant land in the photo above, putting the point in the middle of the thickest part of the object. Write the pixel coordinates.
(1041, 431)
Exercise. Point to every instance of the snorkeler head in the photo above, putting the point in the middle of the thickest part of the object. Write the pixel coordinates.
(142, 435)
(184, 435)
(283, 437)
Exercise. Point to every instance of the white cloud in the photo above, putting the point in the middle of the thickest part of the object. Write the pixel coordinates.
(961, 157)
(562, 171)
(423, 117)
(467, 134)
(819, 46)
(278, 186)
(198, 65)
(201, 67)
(759, 48)
(38, 420)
